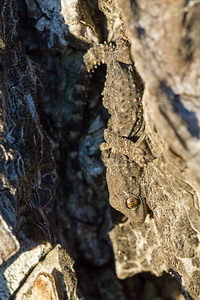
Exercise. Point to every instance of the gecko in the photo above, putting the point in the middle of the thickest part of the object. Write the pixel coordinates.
(125, 150)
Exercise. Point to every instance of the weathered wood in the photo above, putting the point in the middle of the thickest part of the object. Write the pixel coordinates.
(150, 85)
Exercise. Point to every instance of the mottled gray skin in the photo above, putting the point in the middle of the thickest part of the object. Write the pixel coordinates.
(121, 96)
(124, 151)
(123, 183)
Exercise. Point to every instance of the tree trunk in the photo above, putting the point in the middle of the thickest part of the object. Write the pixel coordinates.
(60, 238)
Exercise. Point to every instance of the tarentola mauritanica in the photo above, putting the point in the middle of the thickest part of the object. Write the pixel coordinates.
(125, 151)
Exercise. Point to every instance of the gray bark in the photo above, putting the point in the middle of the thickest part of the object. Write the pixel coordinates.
(63, 239)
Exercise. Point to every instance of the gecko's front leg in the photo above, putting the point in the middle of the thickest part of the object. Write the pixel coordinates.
(136, 151)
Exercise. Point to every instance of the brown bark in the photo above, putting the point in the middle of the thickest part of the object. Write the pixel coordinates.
(52, 118)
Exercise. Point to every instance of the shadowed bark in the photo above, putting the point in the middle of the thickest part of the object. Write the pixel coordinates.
(59, 61)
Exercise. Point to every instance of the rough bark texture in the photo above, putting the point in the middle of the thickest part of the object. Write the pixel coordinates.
(170, 71)
(58, 60)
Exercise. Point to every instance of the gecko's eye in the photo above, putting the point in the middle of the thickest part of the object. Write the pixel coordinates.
(132, 202)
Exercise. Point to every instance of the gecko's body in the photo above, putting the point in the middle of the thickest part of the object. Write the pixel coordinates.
(123, 153)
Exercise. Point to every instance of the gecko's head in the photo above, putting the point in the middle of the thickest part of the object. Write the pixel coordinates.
(125, 192)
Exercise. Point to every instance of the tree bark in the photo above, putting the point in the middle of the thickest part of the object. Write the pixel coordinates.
(59, 60)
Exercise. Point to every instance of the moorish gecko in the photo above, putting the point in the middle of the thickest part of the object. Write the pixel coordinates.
(125, 151)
